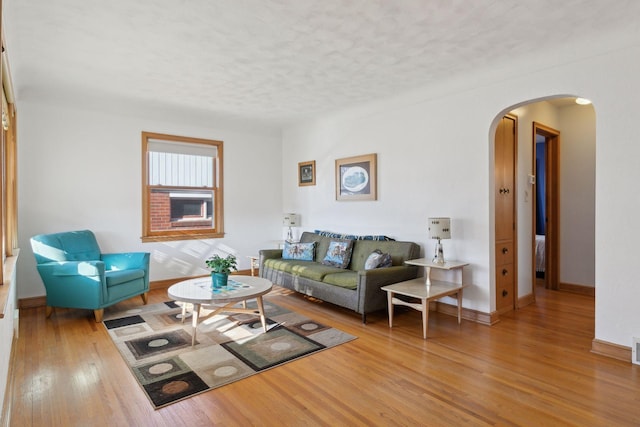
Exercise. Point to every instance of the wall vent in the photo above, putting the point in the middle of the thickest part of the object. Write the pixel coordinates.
(635, 351)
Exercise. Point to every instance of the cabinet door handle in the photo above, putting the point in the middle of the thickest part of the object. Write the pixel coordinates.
(504, 293)
(505, 251)
(504, 272)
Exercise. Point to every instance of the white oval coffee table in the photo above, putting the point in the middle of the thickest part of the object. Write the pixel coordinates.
(198, 292)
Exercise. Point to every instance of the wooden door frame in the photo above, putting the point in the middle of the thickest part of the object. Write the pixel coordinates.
(552, 199)
(515, 298)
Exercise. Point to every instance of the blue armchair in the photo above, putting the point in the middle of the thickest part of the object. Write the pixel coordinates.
(77, 275)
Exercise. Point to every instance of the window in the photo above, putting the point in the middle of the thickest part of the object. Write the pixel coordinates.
(182, 188)
(8, 192)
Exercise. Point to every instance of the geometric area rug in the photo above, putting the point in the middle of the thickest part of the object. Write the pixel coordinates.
(156, 345)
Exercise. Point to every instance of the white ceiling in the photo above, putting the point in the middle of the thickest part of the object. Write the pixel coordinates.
(276, 61)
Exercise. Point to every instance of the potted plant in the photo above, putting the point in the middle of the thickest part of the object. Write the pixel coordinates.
(220, 269)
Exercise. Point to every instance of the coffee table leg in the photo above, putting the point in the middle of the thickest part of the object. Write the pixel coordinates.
(184, 311)
(390, 307)
(194, 322)
(425, 317)
(261, 310)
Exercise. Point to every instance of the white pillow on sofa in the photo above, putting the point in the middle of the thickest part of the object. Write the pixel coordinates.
(377, 260)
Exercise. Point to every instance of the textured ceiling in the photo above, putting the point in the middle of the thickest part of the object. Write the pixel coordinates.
(280, 60)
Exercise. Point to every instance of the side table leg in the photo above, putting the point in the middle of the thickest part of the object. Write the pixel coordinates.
(390, 307)
(459, 306)
(194, 323)
(425, 317)
(261, 310)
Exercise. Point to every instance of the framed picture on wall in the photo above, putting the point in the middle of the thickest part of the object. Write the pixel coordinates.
(356, 178)
(307, 173)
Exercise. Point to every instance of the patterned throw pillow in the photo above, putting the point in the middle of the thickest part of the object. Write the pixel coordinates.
(299, 251)
(338, 253)
(378, 260)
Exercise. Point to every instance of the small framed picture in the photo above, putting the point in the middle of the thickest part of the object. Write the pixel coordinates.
(356, 178)
(307, 173)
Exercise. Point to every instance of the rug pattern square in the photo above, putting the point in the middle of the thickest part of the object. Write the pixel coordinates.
(267, 350)
(156, 345)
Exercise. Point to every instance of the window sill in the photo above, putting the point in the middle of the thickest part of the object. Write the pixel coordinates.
(173, 237)
(9, 278)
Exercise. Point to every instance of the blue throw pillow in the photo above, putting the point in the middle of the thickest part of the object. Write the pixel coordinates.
(338, 253)
(299, 251)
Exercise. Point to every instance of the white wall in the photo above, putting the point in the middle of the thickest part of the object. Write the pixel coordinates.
(435, 158)
(8, 331)
(81, 169)
(578, 195)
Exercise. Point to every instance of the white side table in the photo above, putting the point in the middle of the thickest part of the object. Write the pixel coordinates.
(255, 265)
(416, 288)
(428, 264)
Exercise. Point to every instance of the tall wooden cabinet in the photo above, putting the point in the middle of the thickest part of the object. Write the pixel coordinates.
(505, 196)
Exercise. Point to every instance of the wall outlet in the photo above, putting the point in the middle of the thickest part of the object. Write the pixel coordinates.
(635, 351)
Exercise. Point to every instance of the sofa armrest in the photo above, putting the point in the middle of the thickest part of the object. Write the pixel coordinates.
(370, 282)
(72, 268)
(79, 284)
(266, 254)
(126, 260)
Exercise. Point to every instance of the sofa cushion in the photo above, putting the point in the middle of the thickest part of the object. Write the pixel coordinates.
(299, 251)
(287, 266)
(313, 271)
(322, 243)
(117, 277)
(345, 279)
(338, 253)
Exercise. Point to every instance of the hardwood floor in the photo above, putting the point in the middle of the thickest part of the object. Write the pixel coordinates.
(532, 368)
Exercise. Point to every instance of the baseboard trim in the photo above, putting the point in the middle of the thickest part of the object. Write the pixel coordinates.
(467, 313)
(526, 300)
(615, 351)
(41, 301)
(32, 302)
(164, 284)
(577, 289)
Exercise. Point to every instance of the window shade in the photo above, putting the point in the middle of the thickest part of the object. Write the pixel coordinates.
(194, 149)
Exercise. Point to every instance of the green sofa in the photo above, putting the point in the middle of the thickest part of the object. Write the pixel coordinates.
(354, 287)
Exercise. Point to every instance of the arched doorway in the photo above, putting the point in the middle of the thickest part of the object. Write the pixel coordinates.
(575, 224)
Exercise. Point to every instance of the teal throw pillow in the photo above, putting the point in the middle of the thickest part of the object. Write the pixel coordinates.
(339, 253)
(299, 251)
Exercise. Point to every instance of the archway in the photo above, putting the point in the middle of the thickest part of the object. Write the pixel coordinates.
(576, 194)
